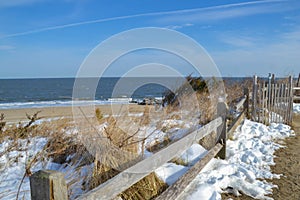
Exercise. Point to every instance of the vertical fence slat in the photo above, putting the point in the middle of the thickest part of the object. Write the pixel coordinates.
(276, 103)
(270, 103)
(263, 102)
(48, 185)
(259, 102)
(269, 98)
(281, 103)
(285, 102)
(221, 130)
(246, 103)
(254, 95)
(290, 100)
(273, 102)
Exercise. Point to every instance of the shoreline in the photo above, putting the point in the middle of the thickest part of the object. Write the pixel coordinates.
(16, 115)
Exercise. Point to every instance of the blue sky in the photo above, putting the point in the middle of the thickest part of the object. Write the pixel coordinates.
(51, 38)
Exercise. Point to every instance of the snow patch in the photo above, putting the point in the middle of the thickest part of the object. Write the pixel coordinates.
(193, 154)
(12, 166)
(170, 172)
(296, 107)
(249, 157)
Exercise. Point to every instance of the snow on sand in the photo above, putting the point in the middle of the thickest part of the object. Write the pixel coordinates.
(296, 107)
(249, 156)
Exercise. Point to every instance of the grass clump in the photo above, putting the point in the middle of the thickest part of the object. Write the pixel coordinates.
(147, 188)
(99, 114)
(2, 123)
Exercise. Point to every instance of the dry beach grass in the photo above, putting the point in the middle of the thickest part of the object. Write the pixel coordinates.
(60, 145)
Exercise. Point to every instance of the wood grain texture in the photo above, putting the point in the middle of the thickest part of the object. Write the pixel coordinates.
(48, 185)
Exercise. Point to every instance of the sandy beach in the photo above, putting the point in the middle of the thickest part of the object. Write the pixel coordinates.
(17, 115)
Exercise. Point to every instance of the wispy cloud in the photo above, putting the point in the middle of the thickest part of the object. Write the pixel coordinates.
(230, 11)
(13, 3)
(294, 35)
(279, 57)
(6, 47)
(178, 16)
(176, 27)
(238, 41)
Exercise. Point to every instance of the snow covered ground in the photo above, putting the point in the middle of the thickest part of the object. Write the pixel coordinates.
(249, 156)
(296, 107)
(12, 166)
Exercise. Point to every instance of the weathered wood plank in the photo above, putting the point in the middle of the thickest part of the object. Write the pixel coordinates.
(291, 95)
(177, 188)
(281, 101)
(277, 120)
(235, 124)
(272, 103)
(254, 96)
(285, 103)
(222, 129)
(296, 97)
(240, 103)
(48, 185)
(263, 102)
(246, 103)
(259, 94)
(130, 176)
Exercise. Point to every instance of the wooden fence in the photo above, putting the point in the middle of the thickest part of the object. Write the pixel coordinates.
(297, 90)
(46, 188)
(271, 101)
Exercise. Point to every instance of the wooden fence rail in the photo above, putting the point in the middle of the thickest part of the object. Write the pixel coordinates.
(271, 102)
(127, 178)
(114, 186)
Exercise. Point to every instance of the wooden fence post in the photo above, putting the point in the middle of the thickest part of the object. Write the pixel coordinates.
(273, 79)
(291, 100)
(48, 185)
(246, 103)
(221, 130)
(254, 96)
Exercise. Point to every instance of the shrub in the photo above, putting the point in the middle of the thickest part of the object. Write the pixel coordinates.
(99, 114)
(196, 83)
(2, 122)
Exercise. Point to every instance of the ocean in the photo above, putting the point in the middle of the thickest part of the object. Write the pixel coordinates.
(47, 92)
(52, 92)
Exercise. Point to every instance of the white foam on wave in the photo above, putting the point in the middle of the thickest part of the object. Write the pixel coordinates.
(42, 104)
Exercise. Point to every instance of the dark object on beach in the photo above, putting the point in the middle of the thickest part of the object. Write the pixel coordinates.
(2, 122)
(150, 101)
(197, 84)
